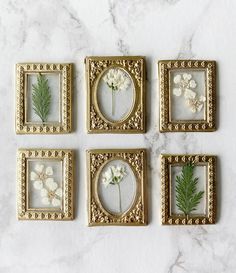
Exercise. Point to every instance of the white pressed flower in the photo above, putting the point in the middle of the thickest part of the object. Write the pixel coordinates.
(40, 174)
(177, 92)
(177, 79)
(196, 104)
(113, 176)
(183, 84)
(117, 80)
(51, 194)
(189, 94)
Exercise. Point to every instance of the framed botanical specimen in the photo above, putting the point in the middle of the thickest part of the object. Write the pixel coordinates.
(117, 187)
(187, 95)
(45, 184)
(115, 94)
(43, 98)
(188, 189)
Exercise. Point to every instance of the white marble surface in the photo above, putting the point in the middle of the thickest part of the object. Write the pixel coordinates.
(67, 31)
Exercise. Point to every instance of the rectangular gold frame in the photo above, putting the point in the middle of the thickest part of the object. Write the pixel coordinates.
(166, 124)
(66, 156)
(166, 161)
(135, 121)
(65, 123)
(137, 213)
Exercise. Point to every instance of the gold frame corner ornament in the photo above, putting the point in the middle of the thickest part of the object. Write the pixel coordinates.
(23, 210)
(64, 125)
(208, 124)
(136, 215)
(167, 218)
(134, 122)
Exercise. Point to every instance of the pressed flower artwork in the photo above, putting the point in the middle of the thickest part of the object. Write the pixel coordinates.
(45, 184)
(188, 189)
(187, 95)
(115, 94)
(43, 98)
(117, 186)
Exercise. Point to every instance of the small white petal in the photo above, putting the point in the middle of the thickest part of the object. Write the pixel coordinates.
(45, 201)
(187, 76)
(58, 192)
(56, 202)
(39, 168)
(202, 99)
(43, 192)
(33, 176)
(177, 79)
(49, 171)
(177, 91)
(38, 184)
(51, 184)
(192, 84)
(189, 94)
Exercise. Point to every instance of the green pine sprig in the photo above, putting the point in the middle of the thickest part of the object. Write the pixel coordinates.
(41, 97)
(187, 196)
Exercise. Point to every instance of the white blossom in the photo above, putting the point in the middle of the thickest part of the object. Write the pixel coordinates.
(184, 83)
(196, 104)
(51, 194)
(114, 175)
(116, 79)
(40, 175)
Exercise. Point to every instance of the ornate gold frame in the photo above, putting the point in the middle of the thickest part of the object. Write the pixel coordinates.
(134, 122)
(26, 213)
(64, 124)
(175, 219)
(137, 213)
(206, 125)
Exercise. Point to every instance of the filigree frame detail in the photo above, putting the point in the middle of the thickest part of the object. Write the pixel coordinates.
(206, 125)
(64, 125)
(26, 213)
(137, 213)
(167, 161)
(134, 122)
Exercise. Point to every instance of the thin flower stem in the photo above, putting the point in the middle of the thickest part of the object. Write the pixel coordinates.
(119, 198)
(113, 102)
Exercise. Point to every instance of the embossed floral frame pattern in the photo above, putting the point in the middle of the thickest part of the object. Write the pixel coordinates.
(26, 213)
(135, 121)
(137, 213)
(177, 160)
(65, 74)
(209, 122)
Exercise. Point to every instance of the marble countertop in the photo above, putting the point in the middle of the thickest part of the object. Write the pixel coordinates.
(67, 31)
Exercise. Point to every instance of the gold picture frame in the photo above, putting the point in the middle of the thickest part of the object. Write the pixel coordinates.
(136, 214)
(64, 123)
(134, 121)
(208, 103)
(169, 218)
(25, 209)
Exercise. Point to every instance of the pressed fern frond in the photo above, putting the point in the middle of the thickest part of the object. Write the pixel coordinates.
(41, 97)
(187, 197)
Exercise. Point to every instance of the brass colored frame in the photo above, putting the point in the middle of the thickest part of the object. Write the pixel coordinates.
(137, 213)
(26, 213)
(65, 76)
(167, 218)
(134, 122)
(208, 124)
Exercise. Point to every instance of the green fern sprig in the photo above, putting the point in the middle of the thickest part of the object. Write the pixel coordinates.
(187, 197)
(41, 97)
